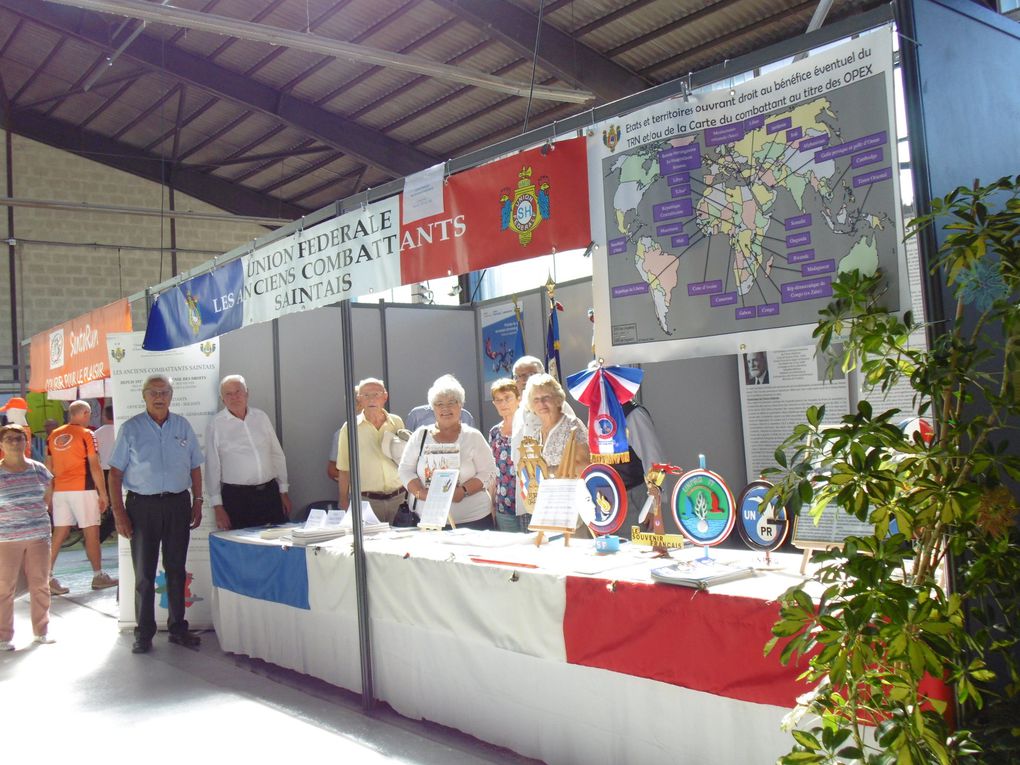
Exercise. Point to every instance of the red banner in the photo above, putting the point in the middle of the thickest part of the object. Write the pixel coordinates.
(74, 353)
(531, 204)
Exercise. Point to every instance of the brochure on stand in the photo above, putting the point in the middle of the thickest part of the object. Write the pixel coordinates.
(699, 574)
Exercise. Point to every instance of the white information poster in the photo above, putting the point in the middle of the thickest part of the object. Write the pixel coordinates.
(776, 389)
(195, 371)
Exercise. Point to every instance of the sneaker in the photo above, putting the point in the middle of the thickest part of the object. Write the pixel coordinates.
(43, 640)
(6, 645)
(102, 580)
(56, 588)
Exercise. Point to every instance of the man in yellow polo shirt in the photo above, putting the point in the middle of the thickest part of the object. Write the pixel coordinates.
(380, 484)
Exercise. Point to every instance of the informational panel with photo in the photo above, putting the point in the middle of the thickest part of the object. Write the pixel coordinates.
(195, 370)
(776, 389)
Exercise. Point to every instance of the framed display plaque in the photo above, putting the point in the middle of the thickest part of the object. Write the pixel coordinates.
(608, 495)
(763, 526)
(703, 507)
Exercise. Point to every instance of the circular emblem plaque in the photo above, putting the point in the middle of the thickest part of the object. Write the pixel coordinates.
(703, 507)
(524, 209)
(762, 526)
(608, 495)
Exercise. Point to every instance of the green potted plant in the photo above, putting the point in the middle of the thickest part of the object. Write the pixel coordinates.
(931, 597)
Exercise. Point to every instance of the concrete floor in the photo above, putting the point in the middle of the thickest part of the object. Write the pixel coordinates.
(88, 696)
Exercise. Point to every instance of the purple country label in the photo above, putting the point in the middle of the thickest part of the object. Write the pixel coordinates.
(813, 143)
(680, 158)
(676, 192)
(821, 267)
(669, 228)
(797, 221)
(768, 309)
(753, 123)
(860, 144)
(775, 127)
(678, 178)
(680, 240)
(809, 289)
(794, 134)
(681, 208)
(867, 158)
(725, 298)
(618, 246)
(725, 134)
(745, 312)
(873, 177)
(626, 290)
(799, 240)
(704, 288)
(800, 257)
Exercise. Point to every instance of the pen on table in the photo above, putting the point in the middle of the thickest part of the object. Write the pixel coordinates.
(503, 562)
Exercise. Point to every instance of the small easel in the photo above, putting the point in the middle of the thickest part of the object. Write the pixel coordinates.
(435, 513)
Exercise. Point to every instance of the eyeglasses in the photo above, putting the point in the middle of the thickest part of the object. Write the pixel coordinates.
(153, 393)
(547, 399)
(524, 376)
(446, 404)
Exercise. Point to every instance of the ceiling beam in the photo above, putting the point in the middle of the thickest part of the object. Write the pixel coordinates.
(306, 41)
(367, 145)
(218, 192)
(559, 54)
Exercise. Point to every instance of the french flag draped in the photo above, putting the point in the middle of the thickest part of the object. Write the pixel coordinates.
(604, 390)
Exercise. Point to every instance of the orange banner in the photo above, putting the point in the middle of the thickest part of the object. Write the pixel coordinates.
(74, 353)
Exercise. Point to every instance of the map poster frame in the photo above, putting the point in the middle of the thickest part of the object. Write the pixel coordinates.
(722, 219)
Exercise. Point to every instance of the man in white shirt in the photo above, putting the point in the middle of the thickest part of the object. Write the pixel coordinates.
(104, 444)
(245, 468)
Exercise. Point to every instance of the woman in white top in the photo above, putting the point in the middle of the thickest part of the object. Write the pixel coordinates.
(451, 444)
(560, 433)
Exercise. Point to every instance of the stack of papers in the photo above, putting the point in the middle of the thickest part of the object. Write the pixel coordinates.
(302, 537)
(700, 575)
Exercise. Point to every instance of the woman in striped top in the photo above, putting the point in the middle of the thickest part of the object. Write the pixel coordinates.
(26, 488)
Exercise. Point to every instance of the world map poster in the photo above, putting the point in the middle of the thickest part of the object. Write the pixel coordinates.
(723, 218)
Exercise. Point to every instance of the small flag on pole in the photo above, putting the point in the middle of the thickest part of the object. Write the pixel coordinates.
(604, 390)
(552, 336)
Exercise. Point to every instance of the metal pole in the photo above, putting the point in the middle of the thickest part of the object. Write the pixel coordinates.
(12, 261)
(360, 573)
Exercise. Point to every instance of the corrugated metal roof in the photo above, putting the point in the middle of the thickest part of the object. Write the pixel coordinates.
(303, 128)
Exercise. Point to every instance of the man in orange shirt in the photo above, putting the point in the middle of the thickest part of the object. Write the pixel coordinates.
(79, 492)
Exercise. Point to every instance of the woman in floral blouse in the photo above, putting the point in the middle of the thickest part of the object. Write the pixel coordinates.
(506, 401)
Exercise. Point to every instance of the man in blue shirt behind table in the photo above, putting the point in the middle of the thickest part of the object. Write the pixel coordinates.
(157, 458)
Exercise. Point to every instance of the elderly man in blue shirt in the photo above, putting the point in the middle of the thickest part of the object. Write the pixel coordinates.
(157, 459)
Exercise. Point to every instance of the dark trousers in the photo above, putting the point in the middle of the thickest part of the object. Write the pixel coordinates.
(248, 506)
(159, 521)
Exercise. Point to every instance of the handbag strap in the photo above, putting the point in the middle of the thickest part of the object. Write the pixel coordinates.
(421, 449)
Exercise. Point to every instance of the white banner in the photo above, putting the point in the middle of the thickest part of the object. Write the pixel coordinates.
(355, 254)
(195, 371)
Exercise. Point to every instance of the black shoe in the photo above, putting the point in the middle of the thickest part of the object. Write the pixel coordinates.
(186, 639)
(142, 645)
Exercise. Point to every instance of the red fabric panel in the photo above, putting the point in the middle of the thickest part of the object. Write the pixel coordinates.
(470, 234)
(695, 639)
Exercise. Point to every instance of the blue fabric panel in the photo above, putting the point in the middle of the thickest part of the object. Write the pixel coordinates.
(265, 572)
(199, 309)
